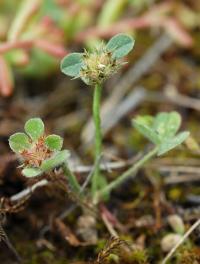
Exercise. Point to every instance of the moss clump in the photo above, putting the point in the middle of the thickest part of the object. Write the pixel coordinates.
(189, 256)
(138, 256)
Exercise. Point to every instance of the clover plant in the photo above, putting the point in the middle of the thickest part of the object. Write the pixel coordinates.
(94, 68)
(162, 132)
(40, 153)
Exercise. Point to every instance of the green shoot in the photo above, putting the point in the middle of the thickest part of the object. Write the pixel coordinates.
(94, 68)
(161, 131)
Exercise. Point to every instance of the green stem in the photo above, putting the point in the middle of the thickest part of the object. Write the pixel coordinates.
(114, 184)
(98, 136)
(72, 179)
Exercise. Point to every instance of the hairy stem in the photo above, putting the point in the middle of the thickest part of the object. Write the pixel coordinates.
(132, 170)
(72, 179)
(98, 136)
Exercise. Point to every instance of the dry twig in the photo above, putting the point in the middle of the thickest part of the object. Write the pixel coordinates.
(186, 235)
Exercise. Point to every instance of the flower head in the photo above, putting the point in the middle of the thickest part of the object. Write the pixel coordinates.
(98, 66)
(38, 152)
(95, 67)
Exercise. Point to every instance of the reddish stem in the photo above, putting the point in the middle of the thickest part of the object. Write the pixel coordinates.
(53, 49)
(6, 85)
(19, 44)
(158, 16)
(125, 25)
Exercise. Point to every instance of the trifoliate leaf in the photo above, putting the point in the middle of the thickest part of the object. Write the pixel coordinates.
(171, 143)
(72, 64)
(54, 142)
(31, 172)
(120, 45)
(19, 142)
(34, 127)
(167, 124)
(143, 125)
(57, 160)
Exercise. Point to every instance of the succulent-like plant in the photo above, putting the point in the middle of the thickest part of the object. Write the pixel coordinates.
(40, 153)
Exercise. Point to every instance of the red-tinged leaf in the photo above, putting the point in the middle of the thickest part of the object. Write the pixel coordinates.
(53, 49)
(21, 44)
(23, 60)
(151, 18)
(6, 80)
(25, 13)
(178, 33)
(18, 57)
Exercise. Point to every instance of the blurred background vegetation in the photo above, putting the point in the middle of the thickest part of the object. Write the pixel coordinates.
(162, 74)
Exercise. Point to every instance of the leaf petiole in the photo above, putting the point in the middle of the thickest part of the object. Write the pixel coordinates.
(131, 171)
